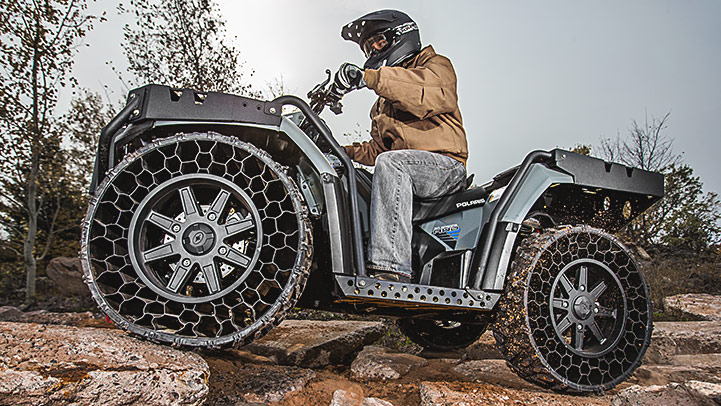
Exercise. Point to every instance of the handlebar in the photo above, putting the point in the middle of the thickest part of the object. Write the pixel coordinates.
(329, 93)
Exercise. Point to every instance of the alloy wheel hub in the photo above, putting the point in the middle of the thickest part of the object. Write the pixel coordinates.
(199, 239)
(582, 307)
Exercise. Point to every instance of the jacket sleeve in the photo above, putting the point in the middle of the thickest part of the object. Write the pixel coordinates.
(365, 152)
(423, 91)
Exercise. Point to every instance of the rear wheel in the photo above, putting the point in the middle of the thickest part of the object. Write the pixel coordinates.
(441, 335)
(577, 313)
(198, 240)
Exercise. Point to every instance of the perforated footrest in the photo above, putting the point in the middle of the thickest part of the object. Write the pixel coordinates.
(400, 294)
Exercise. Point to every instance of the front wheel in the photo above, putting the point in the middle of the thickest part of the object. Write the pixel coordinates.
(576, 315)
(197, 239)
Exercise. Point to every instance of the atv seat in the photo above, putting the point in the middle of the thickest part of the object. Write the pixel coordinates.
(438, 207)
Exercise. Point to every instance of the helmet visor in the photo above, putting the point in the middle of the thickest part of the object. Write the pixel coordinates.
(376, 43)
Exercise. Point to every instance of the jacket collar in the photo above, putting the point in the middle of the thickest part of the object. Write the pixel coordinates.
(423, 56)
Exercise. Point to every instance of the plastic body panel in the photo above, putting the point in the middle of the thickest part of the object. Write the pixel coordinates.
(594, 172)
(158, 102)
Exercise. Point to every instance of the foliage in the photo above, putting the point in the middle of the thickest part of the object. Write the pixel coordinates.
(40, 39)
(582, 149)
(645, 146)
(686, 217)
(181, 43)
(672, 271)
(81, 126)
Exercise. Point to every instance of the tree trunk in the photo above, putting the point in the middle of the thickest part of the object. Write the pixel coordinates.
(30, 262)
(32, 184)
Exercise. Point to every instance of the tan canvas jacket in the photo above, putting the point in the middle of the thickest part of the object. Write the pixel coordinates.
(417, 108)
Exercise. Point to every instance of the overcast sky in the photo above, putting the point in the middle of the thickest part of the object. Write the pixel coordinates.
(531, 74)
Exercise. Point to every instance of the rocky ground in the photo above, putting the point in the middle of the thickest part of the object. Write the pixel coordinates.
(79, 358)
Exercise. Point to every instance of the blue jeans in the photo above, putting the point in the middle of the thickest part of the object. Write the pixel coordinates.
(399, 176)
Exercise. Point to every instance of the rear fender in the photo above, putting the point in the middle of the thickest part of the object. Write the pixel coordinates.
(571, 189)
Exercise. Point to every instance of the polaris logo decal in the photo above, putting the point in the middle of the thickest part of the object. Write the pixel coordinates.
(406, 28)
(447, 233)
(470, 203)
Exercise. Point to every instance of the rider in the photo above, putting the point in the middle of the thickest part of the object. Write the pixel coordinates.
(418, 143)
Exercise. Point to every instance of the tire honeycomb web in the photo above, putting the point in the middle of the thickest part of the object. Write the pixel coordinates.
(251, 309)
(523, 328)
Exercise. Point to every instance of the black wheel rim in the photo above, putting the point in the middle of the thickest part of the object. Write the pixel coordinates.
(588, 307)
(195, 238)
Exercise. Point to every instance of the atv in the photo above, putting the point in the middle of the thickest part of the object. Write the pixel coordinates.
(213, 215)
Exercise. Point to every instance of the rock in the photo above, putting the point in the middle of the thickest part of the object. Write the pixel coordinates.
(84, 319)
(68, 276)
(239, 377)
(679, 338)
(706, 390)
(377, 363)
(375, 402)
(493, 371)
(652, 374)
(681, 368)
(697, 305)
(270, 383)
(9, 313)
(693, 393)
(468, 394)
(348, 398)
(311, 344)
(43, 365)
(484, 348)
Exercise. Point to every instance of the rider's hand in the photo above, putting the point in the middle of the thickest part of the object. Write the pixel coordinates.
(348, 78)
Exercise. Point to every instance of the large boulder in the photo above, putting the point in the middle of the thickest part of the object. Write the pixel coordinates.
(67, 274)
(680, 338)
(312, 344)
(695, 305)
(56, 365)
(692, 393)
(379, 363)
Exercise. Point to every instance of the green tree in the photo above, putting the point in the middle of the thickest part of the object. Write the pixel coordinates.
(691, 219)
(81, 126)
(39, 40)
(181, 43)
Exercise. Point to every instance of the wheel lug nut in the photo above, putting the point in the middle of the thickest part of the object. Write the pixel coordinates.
(595, 310)
(580, 327)
(582, 288)
(186, 262)
(211, 216)
(176, 228)
(565, 304)
(222, 250)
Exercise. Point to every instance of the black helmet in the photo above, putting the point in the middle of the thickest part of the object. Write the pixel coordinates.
(394, 34)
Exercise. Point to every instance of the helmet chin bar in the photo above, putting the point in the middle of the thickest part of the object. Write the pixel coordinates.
(393, 55)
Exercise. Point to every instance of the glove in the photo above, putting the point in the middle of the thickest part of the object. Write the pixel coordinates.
(348, 78)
